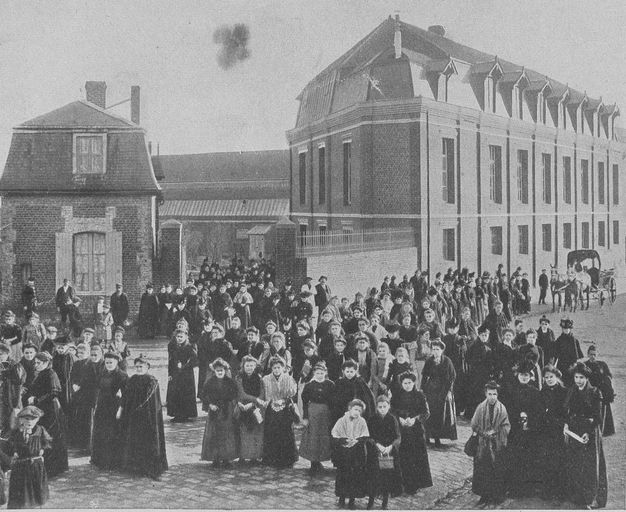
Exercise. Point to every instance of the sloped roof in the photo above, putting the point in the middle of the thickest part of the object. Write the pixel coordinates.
(418, 45)
(231, 208)
(221, 167)
(79, 114)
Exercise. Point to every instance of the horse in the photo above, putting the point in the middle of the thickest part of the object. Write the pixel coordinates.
(584, 284)
(558, 283)
(572, 291)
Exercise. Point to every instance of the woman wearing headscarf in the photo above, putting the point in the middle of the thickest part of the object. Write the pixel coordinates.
(44, 393)
(491, 424)
(411, 408)
(219, 396)
(251, 410)
(585, 464)
(279, 444)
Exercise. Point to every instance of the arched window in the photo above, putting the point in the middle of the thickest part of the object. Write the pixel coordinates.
(90, 262)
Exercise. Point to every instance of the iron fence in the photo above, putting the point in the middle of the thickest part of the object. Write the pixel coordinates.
(340, 242)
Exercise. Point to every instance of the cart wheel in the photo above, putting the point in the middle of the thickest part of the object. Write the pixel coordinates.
(612, 290)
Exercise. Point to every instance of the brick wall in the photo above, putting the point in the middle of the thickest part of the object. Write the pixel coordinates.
(350, 273)
(30, 226)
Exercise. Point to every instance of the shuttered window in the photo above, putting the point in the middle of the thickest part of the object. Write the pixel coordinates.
(447, 167)
(495, 174)
(448, 245)
(547, 177)
(89, 153)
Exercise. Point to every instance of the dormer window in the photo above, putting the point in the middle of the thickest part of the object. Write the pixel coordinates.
(89, 153)
(484, 77)
(542, 108)
(438, 73)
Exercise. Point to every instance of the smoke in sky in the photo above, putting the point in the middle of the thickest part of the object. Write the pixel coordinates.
(234, 44)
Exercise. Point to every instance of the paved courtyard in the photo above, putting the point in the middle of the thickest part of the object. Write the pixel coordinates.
(192, 484)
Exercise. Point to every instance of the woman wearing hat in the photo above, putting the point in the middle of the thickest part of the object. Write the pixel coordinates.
(317, 397)
(143, 434)
(44, 393)
(585, 464)
(106, 449)
(553, 395)
(567, 351)
(279, 444)
(219, 396)
(26, 445)
(545, 338)
(251, 405)
(181, 387)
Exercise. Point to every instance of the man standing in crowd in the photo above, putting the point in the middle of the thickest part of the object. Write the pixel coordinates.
(544, 283)
(323, 295)
(29, 298)
(308, 288)
(119, 306)
(65, 299)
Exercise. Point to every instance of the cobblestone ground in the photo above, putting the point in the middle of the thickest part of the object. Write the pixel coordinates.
(194, 484)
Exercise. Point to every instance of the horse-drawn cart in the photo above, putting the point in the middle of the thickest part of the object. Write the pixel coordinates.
(596, 282)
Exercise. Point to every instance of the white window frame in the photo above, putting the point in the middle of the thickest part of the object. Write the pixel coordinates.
(76, 136)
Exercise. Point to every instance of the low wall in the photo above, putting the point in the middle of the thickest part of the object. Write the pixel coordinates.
(350, 273)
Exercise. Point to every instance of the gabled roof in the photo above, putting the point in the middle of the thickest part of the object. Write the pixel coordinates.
(226, 208)
(79, 114)
(219, 167)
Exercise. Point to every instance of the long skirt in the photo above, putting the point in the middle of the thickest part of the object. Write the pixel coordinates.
(181, 395)
(388, 481)
(488, 477)
(441, 423)
(106, 440)
(54, 422)
(220, 442)
(552, 462)
(250, 438)
(80, 422)
(608, 425)
(351, 480)
(414, 459)
(29, 484)
(279, 442)
(586, 471)
(523, 463)
(315, 445)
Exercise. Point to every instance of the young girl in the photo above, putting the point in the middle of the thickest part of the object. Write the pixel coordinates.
(120, 347)
(385, 432)
(29, 481)
(350, 435)
(380, 369)
(104, 323)
(218, 398)
(316, 401)
(11, 334)
(364, 356)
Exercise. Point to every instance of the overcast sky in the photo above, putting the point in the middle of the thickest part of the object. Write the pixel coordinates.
(191, 105)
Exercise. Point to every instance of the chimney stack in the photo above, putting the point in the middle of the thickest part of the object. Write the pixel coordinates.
(135, 109)
(397, 38)
(96, 93)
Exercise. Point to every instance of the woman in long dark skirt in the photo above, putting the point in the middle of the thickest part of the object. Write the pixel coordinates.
(438, 378)
(553, 395)
(279, 443)
(411, 408)
(602, 378)
(251, 404)
(27, 444)
(142, 423)
(385, 432)
(350, 454)
(12, 377)
(181, 387)
(585, 464)
(44, 393)
(106, 445)
(317, 398)
(218, 398)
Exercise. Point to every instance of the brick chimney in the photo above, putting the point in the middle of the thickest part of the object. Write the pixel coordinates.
(96, 93)
(397, 38)
(135, 104)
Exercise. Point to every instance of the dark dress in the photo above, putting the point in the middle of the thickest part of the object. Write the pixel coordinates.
(481, 369)
(602, 379)
(250, 388)
(220, 436)
(437, 381)
(62, 364)
(316, 402)
(46, 389)
(29, 480)
(553, 456)
(12, 376)
(106, 445)
(181, 389)
(585, 464)
(413, 452)
(148, 319)
(279, 443)
(567, 351)
(386, 431)
(142, 426)
(85, 374)
(347, 390)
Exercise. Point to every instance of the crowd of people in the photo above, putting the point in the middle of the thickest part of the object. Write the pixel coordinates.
(373, 382)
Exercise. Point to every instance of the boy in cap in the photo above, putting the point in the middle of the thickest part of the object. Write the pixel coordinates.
(34, 332)
(11, 334)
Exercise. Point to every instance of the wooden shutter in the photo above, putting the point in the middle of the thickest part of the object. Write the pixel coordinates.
(113, 260)
(64, 258)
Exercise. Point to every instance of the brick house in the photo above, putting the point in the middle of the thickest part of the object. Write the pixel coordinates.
(486, 161)
(79, 200)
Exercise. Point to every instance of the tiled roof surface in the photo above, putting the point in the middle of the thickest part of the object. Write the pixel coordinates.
(235, 208)
(42, 162)
(418, 45)
(79, 114)
(218, 167)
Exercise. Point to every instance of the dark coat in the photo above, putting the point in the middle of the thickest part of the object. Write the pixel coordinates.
(119, 307)
(437, 381)
(386, 431)
(181, 388)
(148, 316)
